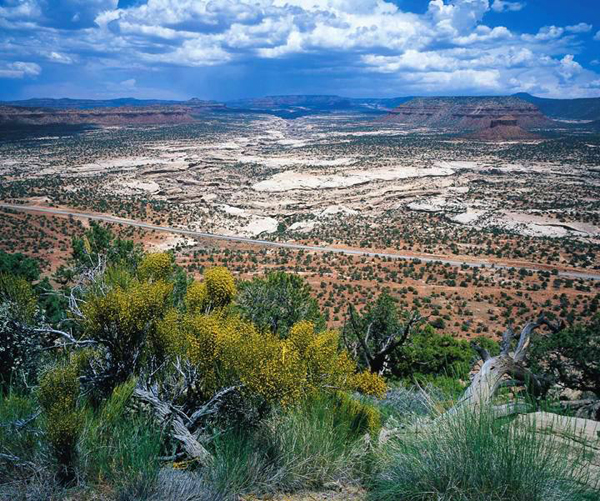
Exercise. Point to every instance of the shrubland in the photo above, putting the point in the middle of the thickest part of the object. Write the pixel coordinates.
(148, 384)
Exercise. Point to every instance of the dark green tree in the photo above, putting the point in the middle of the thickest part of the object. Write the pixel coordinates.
(375, 335)
(278, 301)
(98, 242)
(19, 265)
(570, 356)
(398, 343)
(428, 353)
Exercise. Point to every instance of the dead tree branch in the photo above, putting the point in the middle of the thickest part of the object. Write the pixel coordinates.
(496, 371)
(172, 418)
(376, 352)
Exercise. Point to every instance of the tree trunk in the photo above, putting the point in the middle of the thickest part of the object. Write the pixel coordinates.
(508, 367)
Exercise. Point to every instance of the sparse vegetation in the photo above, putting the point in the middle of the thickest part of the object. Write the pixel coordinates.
(224, 369)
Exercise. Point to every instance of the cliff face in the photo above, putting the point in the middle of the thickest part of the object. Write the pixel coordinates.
(502, 129)
(125, 115)
(467, 113)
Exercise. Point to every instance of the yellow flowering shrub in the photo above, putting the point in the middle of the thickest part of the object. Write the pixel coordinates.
(327, 365)
(167, 339)
(196, 297)
(157, 266)
(220, 286)
(217, 290)
(202, 333)
(369, 383)
(266, 366)
(124, 321)
(19, 293)
(128, 313)
(229, 350)
(138, 317)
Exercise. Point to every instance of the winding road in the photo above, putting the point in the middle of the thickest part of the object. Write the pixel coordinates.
(288, 245)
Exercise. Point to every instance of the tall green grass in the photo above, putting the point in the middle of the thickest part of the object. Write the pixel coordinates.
(305, 447)
(319, 442)
(121, 449)
(471, 456)
(20, 441)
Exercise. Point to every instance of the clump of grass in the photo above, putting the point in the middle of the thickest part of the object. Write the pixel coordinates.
(178, 485)
(471, 456)
(242, 464)
(321, 441)
(305, 447)
(16, 439)
(121, 449)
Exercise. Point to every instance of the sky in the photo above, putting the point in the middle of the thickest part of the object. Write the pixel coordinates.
(230, 49)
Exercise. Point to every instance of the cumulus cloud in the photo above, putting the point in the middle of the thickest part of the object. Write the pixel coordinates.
(449, 47)
(19, 69)
(579, 28)
(57, 57)
(569, 67)
(545, 33)
(501, 6)
(597, 36)
(457, 16)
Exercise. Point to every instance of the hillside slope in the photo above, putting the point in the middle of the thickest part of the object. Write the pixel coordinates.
(568, 109)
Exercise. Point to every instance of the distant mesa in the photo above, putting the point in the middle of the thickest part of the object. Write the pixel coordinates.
(467, 113)
(98, 116)
(454, 114)
(74, 112)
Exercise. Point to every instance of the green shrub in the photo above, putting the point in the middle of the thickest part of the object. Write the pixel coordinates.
(19, 265)
(430, 353)
(571, 357)
(277, 302)
(58, 395)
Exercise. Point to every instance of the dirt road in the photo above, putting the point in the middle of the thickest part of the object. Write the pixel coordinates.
(290, 245)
